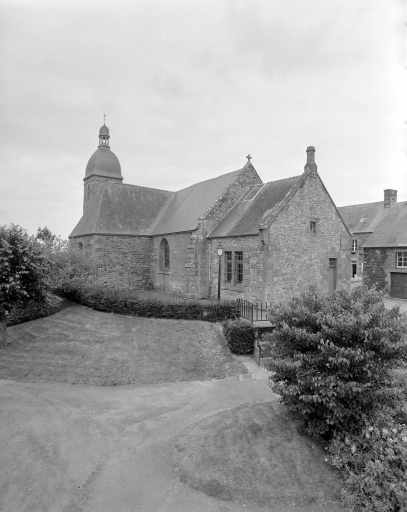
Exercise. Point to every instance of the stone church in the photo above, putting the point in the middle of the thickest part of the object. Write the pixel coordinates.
(268, 239)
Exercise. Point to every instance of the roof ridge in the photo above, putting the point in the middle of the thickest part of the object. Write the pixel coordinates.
(361, 204)
(283, 179)
(210, 179)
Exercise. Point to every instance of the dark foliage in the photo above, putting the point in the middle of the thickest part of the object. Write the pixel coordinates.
(333, 357)
(123, 302)
(32, 310)
(239, 335)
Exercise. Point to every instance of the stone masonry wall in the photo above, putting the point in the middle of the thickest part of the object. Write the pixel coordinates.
(297, 257)
(253, 263)
(123, 261)
(175, 280)
(246, 179)
(286, 257)
(379, 264)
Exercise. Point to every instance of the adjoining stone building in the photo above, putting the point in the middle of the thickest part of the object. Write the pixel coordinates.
(379, 244)
(275, 237)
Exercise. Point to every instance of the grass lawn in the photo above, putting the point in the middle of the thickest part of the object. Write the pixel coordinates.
(254, 454)
(81, 346)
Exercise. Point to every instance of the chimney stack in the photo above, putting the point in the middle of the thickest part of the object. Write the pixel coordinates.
(390, 197)
(311, 165)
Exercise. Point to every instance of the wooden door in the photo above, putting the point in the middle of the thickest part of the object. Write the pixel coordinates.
(399, 285)
(332, 276)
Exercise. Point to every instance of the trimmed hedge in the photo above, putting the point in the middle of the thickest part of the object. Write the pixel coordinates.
(33, 310)
(240, 336)
(123, 302)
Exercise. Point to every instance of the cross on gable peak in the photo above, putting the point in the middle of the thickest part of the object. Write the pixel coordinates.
(249, 157)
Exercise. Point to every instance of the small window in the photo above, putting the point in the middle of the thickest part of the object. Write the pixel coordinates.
(313, 227)
(164, 255)
(354, 269)
(354, 246)
(239, 267)
(401, 259)
(332, 262)
(80, 245)
(228, 266)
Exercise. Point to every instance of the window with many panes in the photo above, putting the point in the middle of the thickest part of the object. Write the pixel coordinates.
(228, 267)
(239, 267)
(233, 267)
(401, 259)
(354, 245)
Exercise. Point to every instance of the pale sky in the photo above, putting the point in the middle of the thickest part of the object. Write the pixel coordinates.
(190, 88)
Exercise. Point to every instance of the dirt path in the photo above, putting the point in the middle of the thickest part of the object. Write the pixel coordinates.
(81, 448)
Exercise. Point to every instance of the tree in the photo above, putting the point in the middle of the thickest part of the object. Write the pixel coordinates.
(67, 260)
(333, 357)
(23, 273)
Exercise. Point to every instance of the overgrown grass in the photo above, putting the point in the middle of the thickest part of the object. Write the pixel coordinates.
(254, 454)
(82, 346)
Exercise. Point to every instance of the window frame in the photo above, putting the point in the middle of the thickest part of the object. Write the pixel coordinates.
(239, 267)
(164, 256)
(401, 257)
(228, 266)
(354, 249)
(233, 268)
(313, 227)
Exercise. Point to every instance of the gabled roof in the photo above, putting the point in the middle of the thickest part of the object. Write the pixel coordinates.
(392, 230)
(246, 216)
(363, 218)
(191, 203)
(118, 209)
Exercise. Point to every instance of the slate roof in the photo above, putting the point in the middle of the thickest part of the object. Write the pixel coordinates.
(103, 162)
(119, 209)
(123, 209)
(363, 218)
(392, 230)
(246, 216)
(191, 203)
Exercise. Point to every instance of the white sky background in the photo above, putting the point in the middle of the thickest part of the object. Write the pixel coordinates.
(190, 88)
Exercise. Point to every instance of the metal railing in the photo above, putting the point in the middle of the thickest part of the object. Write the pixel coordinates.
(254, 312)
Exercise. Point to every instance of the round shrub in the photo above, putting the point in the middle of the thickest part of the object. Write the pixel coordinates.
(240, 336)
(333, 357)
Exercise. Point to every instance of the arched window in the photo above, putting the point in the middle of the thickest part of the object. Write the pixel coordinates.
(80, 245)
(164, 255)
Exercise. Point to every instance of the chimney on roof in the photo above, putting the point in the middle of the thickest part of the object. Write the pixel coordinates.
(311, 165)
(390, 197)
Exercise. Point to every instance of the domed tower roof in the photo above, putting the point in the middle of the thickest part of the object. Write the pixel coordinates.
(104, 163)
(104, 130)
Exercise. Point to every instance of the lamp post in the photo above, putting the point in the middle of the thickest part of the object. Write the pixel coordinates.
(220, 252)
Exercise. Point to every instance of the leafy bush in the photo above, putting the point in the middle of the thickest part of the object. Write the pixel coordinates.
(239, 335)
(66, 260)
(373, 464)
(23, 275)
(125, 302)
(32, 310)
(333, 356)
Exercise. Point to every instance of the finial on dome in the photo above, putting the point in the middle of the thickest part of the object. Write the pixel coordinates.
(104, 135)
(104, 118)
